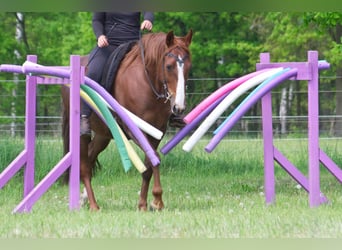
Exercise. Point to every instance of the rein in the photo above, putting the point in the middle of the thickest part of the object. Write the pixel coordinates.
(166, 94)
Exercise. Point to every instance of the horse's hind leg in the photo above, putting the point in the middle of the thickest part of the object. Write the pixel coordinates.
(86, 172)
(94, 148)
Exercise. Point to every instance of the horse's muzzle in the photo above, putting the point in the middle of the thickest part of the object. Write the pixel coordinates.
(177, 110)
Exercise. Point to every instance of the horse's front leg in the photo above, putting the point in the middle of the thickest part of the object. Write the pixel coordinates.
(146, 178)
(157, 203)
(157, 191)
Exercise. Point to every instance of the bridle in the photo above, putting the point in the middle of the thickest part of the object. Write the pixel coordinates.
(166, 94)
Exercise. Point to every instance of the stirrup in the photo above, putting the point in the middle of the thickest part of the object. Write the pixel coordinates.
(84, 126)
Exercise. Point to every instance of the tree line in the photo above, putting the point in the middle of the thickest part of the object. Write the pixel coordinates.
(225, 45)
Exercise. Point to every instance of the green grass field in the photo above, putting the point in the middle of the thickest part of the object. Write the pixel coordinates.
(217, 195)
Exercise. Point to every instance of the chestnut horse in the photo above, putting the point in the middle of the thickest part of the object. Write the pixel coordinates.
(150, 82)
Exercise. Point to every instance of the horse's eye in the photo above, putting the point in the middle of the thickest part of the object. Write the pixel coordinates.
(169, 67)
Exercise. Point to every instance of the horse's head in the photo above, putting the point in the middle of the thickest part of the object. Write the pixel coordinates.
(176, 67)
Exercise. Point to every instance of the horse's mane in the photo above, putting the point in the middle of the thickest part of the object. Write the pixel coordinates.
(155, 48)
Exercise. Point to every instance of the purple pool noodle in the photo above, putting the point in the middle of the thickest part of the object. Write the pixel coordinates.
(150, 152)
(237, 115)
(11, 68)
(184, 131)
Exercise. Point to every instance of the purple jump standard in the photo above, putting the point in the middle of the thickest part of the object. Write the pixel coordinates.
(26, 158)
(308, 71)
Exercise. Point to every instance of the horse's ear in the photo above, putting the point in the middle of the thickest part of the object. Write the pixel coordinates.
(188, 38)
(169, 38)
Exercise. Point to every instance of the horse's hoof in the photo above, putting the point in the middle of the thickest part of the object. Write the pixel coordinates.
(142, 209)
(156, 206)
(94, 208)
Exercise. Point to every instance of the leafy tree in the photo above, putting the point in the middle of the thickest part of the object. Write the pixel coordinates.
(225, 45)
(11, 101)
(330, 23)
(53, 37)
(287, 38)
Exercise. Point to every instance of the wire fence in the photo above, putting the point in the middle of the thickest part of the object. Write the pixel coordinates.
(246, 127)
(249, 126)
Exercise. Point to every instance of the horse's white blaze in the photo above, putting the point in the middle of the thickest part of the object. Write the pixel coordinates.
(180, 95)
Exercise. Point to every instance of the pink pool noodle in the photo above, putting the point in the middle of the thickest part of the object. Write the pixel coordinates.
(187, 129)
(217, 94)
(247, 105)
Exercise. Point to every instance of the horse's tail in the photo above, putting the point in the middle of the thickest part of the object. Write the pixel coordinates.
(65, 126)
(65, 132)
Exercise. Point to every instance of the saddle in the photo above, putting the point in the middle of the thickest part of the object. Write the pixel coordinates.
(113, 63)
